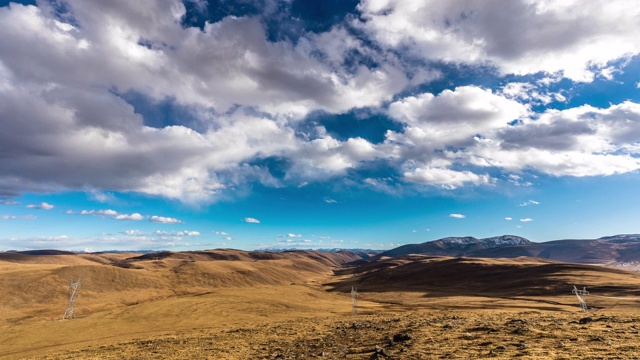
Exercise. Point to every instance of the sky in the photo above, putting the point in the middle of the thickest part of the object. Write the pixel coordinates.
(252, 124)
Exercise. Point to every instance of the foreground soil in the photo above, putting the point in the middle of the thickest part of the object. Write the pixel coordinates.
(413, 335)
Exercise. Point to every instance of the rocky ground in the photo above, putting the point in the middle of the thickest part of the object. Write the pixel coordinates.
(413, 335)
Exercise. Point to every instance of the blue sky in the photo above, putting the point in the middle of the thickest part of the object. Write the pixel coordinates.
(248, 124)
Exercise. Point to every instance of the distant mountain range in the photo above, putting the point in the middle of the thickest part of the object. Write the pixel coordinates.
(610, 249)
(457, 246)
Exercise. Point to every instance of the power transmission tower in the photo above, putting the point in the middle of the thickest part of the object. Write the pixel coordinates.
(70, 313)
(354, 301)
(583, 304)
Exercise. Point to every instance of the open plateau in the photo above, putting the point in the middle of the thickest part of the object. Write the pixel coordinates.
(454, 298)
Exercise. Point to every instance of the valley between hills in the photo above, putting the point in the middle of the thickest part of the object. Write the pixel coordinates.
(232, 304)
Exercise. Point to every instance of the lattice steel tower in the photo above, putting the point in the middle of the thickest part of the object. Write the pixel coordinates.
(70, 313)
(583, 304)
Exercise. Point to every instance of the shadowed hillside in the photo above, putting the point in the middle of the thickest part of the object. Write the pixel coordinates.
(444, 276)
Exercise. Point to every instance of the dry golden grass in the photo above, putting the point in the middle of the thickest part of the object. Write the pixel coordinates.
(418, 335)
(236, 305)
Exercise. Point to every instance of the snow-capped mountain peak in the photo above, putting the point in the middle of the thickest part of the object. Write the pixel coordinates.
(492, 242)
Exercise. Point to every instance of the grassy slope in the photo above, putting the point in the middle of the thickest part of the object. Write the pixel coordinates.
(433, 335)
(179, 291)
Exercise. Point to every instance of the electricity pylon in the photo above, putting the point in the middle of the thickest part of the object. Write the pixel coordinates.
(70, 313)
(583, 304)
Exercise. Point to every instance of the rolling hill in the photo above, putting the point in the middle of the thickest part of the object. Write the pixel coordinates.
(231, 304)
(522, 276)
(35, 285)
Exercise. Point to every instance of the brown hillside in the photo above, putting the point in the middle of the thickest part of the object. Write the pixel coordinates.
(36, 285)
(440, 276)
(229, 304)
(130, 294)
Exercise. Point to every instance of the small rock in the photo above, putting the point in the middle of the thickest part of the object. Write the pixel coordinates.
(585, 320)
(521, 330)
(520, 346)
(516, 320)
(501, 347)
(379, 353)
(401, 337)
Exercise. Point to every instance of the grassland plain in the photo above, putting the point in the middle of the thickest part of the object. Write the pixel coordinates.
(235, 305)
(459, 334)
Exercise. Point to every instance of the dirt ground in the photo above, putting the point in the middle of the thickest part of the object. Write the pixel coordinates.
(411, 335)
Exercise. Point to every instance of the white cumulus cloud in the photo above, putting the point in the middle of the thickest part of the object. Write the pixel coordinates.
(551, 36)
(67, 83)
(15, 217)
(71, 80)
(110, 213)
(164, 220)
(42, 206)
(529, 202)
(134, 216)
(444, 177)
(453, 117)
(187, 233)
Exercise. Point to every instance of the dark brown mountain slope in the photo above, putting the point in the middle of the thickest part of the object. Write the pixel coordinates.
(607, 250)
(446, 276)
